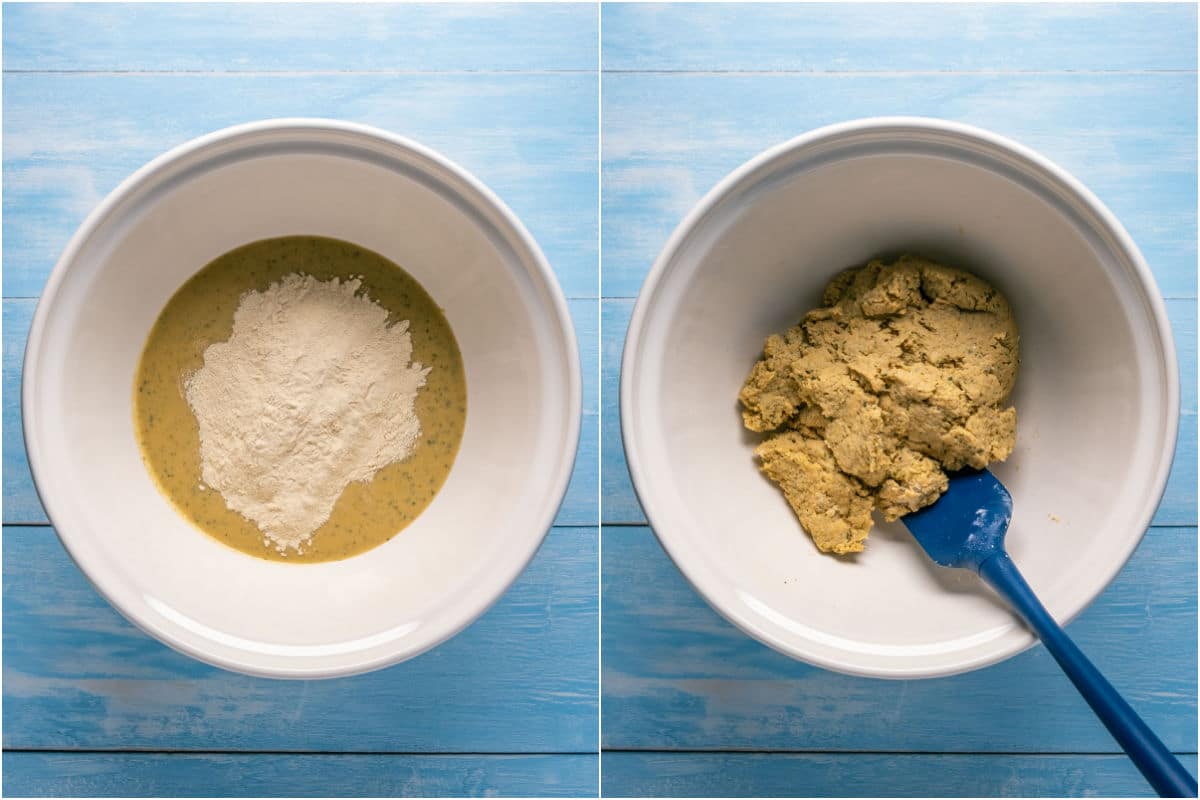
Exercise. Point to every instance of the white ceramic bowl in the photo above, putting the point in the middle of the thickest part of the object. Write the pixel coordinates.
(392, 196)
(1097, 395)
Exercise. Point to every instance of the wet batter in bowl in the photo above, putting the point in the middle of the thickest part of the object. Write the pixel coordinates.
(367, 513)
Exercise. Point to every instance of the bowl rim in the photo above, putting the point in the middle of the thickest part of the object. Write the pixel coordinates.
(558, 477)
(743, 174)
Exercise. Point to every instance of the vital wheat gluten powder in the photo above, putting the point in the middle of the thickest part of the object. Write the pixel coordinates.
(313, 390)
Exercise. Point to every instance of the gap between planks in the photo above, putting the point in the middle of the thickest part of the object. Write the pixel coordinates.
(898, 73)
(364, 753)
(701, 72)
(297, 73)
(964, 753)
(684, 751)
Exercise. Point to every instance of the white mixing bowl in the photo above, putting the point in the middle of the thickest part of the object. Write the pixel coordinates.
(1097, 394)
(384, 193)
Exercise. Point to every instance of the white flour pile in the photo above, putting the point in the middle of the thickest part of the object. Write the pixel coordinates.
(313, 390)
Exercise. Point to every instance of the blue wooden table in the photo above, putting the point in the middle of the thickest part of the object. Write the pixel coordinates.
(92, 706)
(690, 705)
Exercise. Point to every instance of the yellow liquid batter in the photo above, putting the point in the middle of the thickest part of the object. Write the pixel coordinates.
(201, 313)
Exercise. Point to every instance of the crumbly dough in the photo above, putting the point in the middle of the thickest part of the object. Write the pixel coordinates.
(902, 374)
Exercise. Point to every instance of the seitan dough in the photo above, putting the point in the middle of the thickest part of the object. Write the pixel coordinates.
(903, 374)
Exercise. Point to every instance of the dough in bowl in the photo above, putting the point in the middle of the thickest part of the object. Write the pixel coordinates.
(901, 375)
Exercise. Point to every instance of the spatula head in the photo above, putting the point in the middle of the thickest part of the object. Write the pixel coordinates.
(966, 525)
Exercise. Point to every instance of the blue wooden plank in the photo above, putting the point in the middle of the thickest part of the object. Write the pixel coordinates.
(1184, 332)
(899, 37)
(521, 679)
(669, 138)
(620, 502)
(1178, 506)
(299, 37)
(864, 775)
(20, 498)
(580, 506)
(676, 676)
(70, 139)
(31, 774)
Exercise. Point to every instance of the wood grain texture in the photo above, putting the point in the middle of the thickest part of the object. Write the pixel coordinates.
(871, 775)
(91, 92)
(20, 498)
(1116, 106)
(522, 679)
(580, 506)
(668, 139)
(690, 92)
(70, 139)
(28, 774)
(873, 37)
(1178, 506)
(620, 504)
(300, 38)
(676, 676)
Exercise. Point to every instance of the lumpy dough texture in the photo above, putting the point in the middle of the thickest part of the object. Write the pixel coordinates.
(901, 375)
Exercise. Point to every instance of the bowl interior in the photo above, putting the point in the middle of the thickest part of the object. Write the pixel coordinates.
(1092, 401)
(449, 564)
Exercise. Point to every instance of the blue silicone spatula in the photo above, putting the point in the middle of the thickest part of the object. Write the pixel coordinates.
(965, 528)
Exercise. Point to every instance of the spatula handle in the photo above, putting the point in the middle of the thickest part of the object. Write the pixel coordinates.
(1149, 754)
